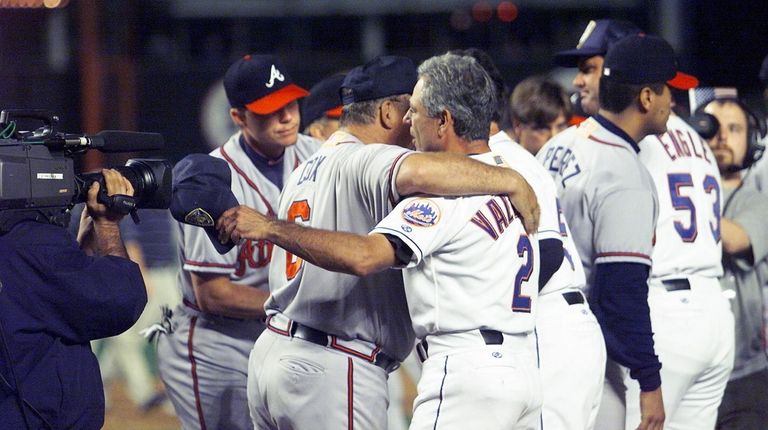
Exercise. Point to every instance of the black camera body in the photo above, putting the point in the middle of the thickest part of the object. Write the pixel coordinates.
(37, 177)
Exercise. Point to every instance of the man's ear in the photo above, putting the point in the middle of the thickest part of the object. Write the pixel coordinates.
(446, 123)
(645, 99)
(238, 117)
(389, 115)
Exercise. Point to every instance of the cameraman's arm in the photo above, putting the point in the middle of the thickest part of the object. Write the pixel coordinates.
(101, 234)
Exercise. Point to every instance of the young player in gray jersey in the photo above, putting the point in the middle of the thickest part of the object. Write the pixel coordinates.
(333, 338)
(474, 321)
(204, 362)
(597, 172)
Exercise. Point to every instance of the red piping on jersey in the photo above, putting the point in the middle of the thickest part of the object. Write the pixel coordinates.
(247, 179)
(592, 137)
(350, 394)
(195, 382)
(391, 174)
(623, 254)
(205, 264)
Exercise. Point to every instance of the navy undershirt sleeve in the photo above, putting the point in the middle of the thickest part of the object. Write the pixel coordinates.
(551, 258)
(619, 300)
(403, 253)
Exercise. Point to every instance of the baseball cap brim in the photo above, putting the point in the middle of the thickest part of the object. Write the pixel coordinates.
(275, 101)
(683, 81)
(571, 57)
(334, 113)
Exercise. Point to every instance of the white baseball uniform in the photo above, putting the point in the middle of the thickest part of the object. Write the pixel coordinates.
(571, 347)
(475, 321)
(609, 201)
(332, 338)
(204, 362)
(692, 320)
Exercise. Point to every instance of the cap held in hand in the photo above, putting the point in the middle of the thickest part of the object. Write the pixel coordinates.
(201, 193)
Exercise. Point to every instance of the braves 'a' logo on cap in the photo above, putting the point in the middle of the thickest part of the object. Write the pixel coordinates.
(199, 217)
(422, 213)
(274, 74)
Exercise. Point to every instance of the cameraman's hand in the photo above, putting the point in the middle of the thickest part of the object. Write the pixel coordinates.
(101, 234)
(116, 184)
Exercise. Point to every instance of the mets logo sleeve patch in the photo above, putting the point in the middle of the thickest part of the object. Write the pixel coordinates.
(421, 213)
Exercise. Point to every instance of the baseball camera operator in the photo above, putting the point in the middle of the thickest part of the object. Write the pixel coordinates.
(58, 294)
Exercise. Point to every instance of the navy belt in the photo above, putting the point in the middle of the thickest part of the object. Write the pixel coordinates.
(676, 284)
(319, 337)
(573, 297)
(490, 337)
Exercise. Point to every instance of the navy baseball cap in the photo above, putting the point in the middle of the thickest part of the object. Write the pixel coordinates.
(381, 77)
(643, 59)
(323, 100)
(201, 192)
(260, 84)
(763, 75)
(598, 36)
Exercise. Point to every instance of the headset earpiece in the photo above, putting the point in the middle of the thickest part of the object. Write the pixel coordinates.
(756, 131)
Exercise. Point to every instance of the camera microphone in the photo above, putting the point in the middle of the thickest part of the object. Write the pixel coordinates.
(108, 141)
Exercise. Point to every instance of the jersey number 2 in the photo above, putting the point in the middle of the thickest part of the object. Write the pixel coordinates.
(521, 302)
(681, 202)
(298, 210)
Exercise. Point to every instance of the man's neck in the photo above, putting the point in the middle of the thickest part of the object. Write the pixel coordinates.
(460, 146)
(731, 180)
(627, 121)
(366, 133)
(268, 151)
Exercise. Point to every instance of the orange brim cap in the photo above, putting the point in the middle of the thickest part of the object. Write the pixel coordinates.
(683, 81)
(334, 113)
(275, 101)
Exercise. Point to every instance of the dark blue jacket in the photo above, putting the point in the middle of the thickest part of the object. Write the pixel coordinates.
(54, 300)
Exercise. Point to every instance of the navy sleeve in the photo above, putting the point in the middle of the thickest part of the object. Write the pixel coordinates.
(551, 258)
(403, 254)
(619, 299)
(105, 296)
(86, 298)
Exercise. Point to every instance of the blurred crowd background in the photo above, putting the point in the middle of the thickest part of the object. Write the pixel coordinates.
(156, 65)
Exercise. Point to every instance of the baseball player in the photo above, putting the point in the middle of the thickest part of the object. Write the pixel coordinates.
(204, 362)
(474, 321)
(321, 109)
(333, 338)
(691, 318)
(686, 178)
(570, 344)
(597, 172)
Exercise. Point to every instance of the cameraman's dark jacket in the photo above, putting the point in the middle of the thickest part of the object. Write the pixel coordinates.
(54, 300)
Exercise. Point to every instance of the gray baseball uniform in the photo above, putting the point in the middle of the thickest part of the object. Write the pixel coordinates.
(332, 338)
(204, 362)
(571, 347)
(609, 200)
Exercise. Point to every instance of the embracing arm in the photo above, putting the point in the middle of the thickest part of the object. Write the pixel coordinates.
(448, 174)
(216, 294)
(351, 253)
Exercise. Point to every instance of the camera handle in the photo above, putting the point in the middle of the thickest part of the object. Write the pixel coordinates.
(120, 203)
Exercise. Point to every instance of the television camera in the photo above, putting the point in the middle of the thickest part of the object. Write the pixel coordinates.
(37, 177)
